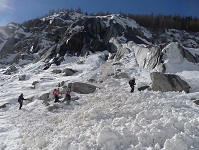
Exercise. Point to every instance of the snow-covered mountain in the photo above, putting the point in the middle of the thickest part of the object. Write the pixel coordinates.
(76, 34)
(43, 54)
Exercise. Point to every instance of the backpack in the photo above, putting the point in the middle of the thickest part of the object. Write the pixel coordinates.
(132, 82)
(56, 92)
(20, 99)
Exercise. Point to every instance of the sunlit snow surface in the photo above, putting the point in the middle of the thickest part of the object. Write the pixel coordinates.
(112, 118)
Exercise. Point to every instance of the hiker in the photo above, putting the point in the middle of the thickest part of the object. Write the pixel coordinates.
(67, 95)
(132, 84)
(56, 94)
(20, 100)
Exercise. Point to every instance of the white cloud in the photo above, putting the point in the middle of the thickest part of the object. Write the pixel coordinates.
(6, 5)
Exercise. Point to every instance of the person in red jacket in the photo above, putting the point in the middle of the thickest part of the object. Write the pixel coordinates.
(20, 100)
(56, 94)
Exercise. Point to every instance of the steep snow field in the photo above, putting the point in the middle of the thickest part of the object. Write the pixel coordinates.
(111, 118)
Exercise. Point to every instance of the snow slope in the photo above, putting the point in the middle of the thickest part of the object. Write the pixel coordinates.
(111, 118)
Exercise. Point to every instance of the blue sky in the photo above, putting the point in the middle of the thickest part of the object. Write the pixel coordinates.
(22, 10)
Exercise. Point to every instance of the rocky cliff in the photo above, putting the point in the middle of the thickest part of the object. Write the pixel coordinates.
(51, 38)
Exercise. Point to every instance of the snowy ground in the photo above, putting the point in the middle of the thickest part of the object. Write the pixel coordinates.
(109, 119)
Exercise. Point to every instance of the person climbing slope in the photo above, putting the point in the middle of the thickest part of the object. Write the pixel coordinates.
(132, 84)
(20, 100)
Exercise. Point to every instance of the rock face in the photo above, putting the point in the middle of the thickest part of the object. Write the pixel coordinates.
(9, 45)
(69, 34)
(168, 82)
(175, 48)
(148, 57)
(91, 35)
(120, 52)
(51, 38)
(10, 70)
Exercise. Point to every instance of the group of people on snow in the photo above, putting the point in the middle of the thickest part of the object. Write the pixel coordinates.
(56, 94)
(67, 98)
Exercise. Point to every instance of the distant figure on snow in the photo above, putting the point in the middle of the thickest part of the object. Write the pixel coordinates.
(56, 94)
(20, 100)
(67, 95)
(132, 84)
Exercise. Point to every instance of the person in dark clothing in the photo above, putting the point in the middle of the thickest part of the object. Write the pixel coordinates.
(20, 100)
(56, 94)
(67, 95)
(132, 84)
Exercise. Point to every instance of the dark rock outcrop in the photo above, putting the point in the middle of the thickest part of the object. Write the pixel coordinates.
(168, 82)
(196, 102)
(44, 96)
(68, 72)
(22, 77)
(142, 88)
(82, 88)
(56, 71)
(92, 34)
(3, 106)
